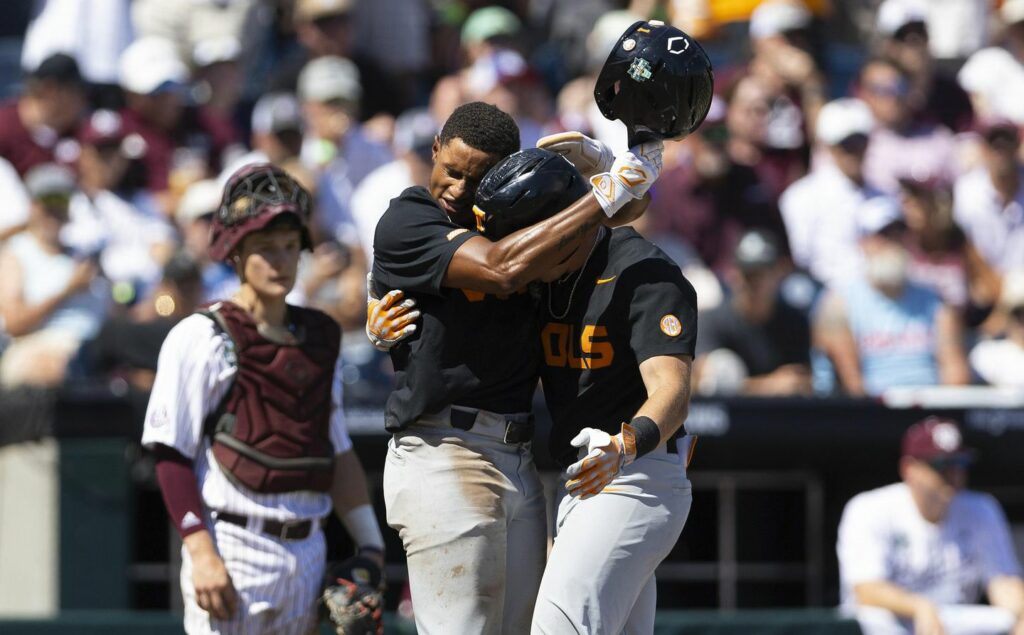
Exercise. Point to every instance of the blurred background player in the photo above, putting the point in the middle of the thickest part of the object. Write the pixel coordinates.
(246, 424)
(917, 556)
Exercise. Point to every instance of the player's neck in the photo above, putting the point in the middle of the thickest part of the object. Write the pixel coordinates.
(270, 311)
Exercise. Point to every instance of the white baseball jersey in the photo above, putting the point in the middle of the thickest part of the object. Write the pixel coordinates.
(193, 375)
(882, 536)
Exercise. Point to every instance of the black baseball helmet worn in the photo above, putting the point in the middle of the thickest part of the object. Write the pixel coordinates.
(657, 80)
(525, 188)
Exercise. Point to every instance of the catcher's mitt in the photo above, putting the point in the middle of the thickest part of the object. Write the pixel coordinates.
(353, 600)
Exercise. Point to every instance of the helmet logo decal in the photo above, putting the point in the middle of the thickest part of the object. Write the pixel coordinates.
(672, 41)
(629, 44)
(640, 70)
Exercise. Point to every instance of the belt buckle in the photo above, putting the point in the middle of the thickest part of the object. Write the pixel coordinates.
(287, 527)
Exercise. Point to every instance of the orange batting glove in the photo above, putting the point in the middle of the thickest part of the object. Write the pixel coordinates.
(606, 456)
(389, 320)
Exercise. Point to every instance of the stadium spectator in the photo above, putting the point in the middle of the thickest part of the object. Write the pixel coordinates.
(750, 104)
(193, 218)
(903, 25)
(988, 201)
(276, 133)
(414, 138)
(821, 209)
(50, 300)
(879, 329)
(999, 361)
(902, 145)
(39, 126)
(14, 212)
(707, 200)
(994, 76)
(771, 339)
(942, 258)
(112, 215)
(917, 556)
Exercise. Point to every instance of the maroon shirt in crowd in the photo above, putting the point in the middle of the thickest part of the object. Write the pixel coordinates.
(25, 148)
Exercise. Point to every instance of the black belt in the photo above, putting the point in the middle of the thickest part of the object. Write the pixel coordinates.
(518, 430)
(282, 530)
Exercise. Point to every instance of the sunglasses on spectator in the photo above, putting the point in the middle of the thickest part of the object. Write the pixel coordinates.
(854, 144)
(942, 463)
(911, 30)
(329, 22)
(1003, 137)
(891, 89)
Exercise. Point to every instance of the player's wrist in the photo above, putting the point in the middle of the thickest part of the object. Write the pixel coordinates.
(610, 192)
(362, 525)
(646, 434)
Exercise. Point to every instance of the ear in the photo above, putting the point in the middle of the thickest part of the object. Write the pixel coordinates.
(905, 467)
(434, 149)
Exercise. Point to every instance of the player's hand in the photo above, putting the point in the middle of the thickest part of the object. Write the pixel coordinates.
(390, 319)
(606, 456)
(590, 156)
(926, 620)
(215, 593)
(629, 178)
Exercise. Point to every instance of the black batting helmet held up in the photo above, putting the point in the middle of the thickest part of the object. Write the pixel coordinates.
(525, 188)
(657, 80)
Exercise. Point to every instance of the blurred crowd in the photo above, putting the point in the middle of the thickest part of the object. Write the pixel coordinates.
(851, 212)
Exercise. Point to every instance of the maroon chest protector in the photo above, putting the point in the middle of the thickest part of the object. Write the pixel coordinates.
(270, 433)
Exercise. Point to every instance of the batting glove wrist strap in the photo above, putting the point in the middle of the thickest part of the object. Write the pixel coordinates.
(629, 178)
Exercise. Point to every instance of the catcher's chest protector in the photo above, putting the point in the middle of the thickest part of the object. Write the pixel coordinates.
(271, 431)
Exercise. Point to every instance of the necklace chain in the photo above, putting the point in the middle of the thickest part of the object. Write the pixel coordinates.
(579, 275)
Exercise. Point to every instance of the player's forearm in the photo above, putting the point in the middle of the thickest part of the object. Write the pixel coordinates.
(889, 596)
(668, 393)
(352, 505)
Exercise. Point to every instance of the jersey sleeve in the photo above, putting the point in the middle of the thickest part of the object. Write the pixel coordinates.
(998, 557)
(861, 546)
(663, 311)
(339, 429)
(192, 376)
(414, 244)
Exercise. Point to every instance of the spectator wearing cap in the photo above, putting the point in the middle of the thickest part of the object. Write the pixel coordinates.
(336, 146)
(994, 76)
(112, 215)
(747, 119)
(942, 257)
(902, 144)
(820, 210)
(327, 28)
(881, 330)
(903, 28)
(415, 131)
(988, 201)
(183, 143)
(49, 300)
(709, 201)
(193, 218)
(782, 41)
(770, 338)
(918, 555)
(999, 361)
(39, 125)
(276, 133)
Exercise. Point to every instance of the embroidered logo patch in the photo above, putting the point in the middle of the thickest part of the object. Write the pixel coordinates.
(670, 325)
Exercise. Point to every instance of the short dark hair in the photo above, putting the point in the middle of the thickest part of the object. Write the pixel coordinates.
(484, 127)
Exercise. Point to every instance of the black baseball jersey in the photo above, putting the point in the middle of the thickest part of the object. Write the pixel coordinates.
(631, 303)
(470, 349)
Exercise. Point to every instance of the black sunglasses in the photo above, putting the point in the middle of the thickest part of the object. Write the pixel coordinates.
(942, 463)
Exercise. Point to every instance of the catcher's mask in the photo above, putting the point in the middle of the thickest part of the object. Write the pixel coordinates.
(255, 195)
(657, 80)
(525, 188)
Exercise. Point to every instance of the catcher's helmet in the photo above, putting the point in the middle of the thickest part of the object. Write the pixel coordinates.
(253, 196)
(525, 188)
(657, 80)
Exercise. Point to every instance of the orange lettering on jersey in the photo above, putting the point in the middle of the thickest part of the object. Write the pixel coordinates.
(560, 350)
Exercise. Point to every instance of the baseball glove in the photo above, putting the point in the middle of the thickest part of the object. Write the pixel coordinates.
(353, 600)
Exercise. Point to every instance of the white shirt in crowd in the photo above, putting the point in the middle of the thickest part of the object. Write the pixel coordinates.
(372, 197)
(820, 212)
(14, 211)
(999, 363)
(883, 537)
(996, 228)
(193, 375)
(94, 32)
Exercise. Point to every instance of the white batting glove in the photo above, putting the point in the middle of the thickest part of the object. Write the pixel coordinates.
(590, 156)
(388, 320)
(606, 456)
(630, 176)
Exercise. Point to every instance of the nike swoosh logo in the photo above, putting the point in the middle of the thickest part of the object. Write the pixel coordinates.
(605, 280)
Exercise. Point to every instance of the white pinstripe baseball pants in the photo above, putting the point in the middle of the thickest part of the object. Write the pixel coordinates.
(278, 583)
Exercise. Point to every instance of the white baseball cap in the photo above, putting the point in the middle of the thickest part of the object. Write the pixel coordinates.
(201, 198)
(151, 64)
(1012, 11)
(893, 15)
(841, 119)
(877, 213)
(773, 17)
(328, 78)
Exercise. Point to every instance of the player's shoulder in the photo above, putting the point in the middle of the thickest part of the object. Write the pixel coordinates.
(414, 199)
(639, 262)
(414, 206)
(880, 500)
(196, 337)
